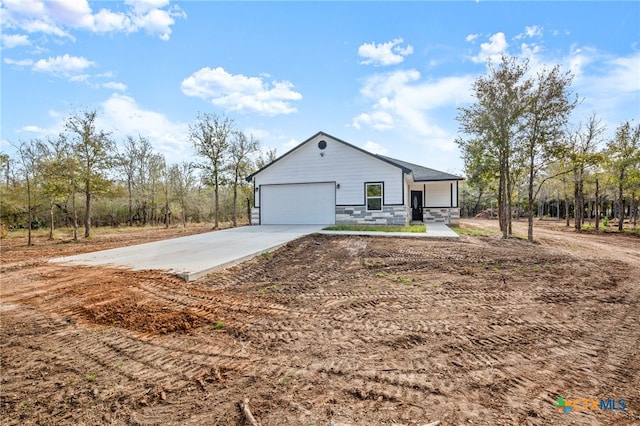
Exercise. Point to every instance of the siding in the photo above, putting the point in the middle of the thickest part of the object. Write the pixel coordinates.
(439, 194)
(341, 164)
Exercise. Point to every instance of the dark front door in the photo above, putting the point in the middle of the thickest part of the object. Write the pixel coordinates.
(416, 205)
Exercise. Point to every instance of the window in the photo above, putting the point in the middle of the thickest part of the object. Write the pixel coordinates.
(374, 196)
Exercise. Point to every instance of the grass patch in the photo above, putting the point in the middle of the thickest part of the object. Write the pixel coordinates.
(476, 232)
(378, 228)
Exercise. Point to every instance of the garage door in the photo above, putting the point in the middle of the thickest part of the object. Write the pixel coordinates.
(298, 204)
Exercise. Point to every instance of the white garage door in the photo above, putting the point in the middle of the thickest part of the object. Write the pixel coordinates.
(298, 204)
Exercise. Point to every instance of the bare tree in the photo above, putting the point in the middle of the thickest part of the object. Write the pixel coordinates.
(210, 136)
(182, 181)
(240, 149)
(133, 160)
(94, 151)
(265, 157)
(28, 166)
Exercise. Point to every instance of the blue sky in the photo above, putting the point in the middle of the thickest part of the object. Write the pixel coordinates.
(385, 76)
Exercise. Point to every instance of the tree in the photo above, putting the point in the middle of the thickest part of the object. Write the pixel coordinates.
(93, 149)
(582, 155)
(133, 160)
(494, 120)
(182, 181)
(265, 157)
(210, 138)
(240, 149)
(481, 170)
(547, 108)
(28, 167)
(59, 170)
(624, 161)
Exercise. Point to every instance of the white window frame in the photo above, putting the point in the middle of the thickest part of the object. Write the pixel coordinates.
(367, 197)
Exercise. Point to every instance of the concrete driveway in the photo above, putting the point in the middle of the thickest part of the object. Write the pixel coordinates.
(196, 255)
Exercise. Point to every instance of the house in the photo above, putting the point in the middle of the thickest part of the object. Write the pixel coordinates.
(325, 180)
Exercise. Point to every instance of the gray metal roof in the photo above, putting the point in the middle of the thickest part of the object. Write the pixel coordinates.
(421, 173)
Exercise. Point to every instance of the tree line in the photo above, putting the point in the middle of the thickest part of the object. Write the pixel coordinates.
(519, 149)
(83, 176)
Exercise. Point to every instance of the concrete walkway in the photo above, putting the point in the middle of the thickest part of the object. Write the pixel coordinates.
(434, 230)
(196, 255)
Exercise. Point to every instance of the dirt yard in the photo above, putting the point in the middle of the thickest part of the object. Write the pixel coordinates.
(330, 330)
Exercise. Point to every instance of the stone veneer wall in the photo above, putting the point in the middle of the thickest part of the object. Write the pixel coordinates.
(255, 216)
(358, 215)
(445, 215)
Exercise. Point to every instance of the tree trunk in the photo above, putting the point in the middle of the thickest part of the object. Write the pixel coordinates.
(217, 202)
(130, 203)
(634, 204)
(502, 203)
(87, 214)
(51, 207)
(530, 203)
(235, 203)
(29, 212)
(476, 208)
(566, 208)
(597, 206)
(509, 206)
(75, 213)
(620, 207)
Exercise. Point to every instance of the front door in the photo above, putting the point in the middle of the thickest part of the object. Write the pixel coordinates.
(416, 205)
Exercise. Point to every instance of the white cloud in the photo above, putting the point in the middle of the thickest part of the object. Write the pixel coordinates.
(533, 31)
(122, 115)
(260, 134)
(70, 13)
(18, 63)
(107, 21)
(143, 6)
(241, 93)
(157, 22)
(472, 37)
(579, 58)
(493, 49)
(71, 67)
(292, 143)
(39, 131)
(375, 148)
(403, 100)
(115, 85)
(10, 41)
(609, 85)
(379, 120)
(530, 32)
(56, 17)
(389, 53)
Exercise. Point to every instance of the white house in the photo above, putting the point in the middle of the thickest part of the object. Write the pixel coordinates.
(325, 180)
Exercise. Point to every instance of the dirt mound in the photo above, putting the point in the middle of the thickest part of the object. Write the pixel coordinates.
(146, 317)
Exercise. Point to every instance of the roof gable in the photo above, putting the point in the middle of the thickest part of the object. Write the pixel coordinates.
(369, 154)
(419, 173)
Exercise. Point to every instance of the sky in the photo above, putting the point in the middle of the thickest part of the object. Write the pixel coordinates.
(388, 77)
